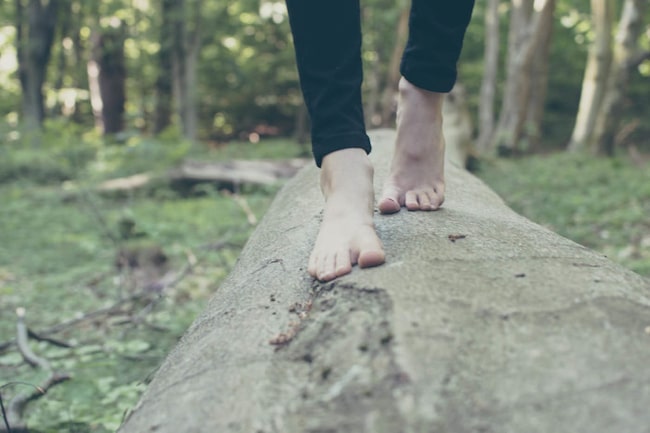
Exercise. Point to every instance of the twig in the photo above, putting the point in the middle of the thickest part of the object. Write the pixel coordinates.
(52, 341)
(91, 315)
(23, 346)
(241, 201)
(19, 403)
(4, 415)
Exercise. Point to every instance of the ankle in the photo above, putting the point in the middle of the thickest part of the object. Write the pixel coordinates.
(410, 92)
(345, 167)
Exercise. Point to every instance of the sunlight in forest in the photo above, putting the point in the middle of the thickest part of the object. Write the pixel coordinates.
(124, 125)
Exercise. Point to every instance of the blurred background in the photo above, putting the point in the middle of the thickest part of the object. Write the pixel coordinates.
(142, 140)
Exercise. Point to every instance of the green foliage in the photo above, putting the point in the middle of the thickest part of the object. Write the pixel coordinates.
(60, 244)
(597, 202)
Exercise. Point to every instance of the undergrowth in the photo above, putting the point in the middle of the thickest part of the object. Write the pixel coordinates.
(601, 203)
(67, 250)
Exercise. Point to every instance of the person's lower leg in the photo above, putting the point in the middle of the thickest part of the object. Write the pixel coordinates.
(436, 31)
(329, 64)
(347, 234)
(416, 177)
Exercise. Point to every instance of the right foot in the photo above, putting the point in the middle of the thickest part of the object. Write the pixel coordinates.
(416, 178)
(347, 234)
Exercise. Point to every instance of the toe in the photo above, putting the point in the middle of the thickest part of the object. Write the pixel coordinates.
(327, 269)
(411, 201)
(370, 258)
(343, 264)
(424, 201)
(389, 202)
(371, 251)
(436, 200)
(388, 205)
(312, 267)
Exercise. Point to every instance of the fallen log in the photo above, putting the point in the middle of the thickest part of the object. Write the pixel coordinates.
(480, 321)
(232, 173)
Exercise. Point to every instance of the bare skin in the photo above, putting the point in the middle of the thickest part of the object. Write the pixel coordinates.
(416, 178)
(347, 234)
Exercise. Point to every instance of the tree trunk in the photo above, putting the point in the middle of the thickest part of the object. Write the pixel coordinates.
(626, 58)
(164, 99)
(457, 127)
(186, 43)
(490, 74)
(371, 109)
(539, 82)
(33, 47)
(388, 99)
(526, 27)
(107, 78)
(301, 133)
(595, 80)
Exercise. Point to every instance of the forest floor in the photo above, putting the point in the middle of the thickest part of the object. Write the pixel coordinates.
(115, 279)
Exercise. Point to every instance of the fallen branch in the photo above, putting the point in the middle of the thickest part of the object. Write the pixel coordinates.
(23, 346)
(13, 415)
(17, 406)
(236, 172)
(243, 204)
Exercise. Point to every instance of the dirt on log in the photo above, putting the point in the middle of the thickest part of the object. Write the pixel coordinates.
(480, 321)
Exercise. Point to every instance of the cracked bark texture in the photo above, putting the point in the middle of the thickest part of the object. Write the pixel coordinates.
(508, 329)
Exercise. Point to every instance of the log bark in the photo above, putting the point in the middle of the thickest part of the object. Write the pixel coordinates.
(480, 321)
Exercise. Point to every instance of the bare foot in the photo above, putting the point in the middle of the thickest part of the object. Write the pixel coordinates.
(417, 172)
(347, 234)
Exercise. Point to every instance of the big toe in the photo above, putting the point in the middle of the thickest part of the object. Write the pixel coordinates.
(388, 205)
(371, 253)
(370, 258)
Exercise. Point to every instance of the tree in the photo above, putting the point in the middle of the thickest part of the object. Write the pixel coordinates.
(164, 81)
(490, 74)
(186, 43)
(393, 75)
(594, 82)
(627, 57)
(529, 22)
(33, 47)
(107, 78)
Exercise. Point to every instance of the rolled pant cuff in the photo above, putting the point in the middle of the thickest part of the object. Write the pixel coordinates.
(427, 78)
(322, 146)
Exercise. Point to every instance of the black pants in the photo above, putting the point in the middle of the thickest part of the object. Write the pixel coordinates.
(327, 39)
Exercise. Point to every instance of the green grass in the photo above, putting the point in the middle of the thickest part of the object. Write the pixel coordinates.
(59, 243)
(601, 203)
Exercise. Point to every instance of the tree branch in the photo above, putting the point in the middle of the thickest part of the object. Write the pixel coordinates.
(639, 58)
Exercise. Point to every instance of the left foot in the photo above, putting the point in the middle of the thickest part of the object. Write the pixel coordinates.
(347, 233)
(416, 178)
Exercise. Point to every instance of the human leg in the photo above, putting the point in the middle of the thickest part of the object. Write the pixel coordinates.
(327, 40)
(436, 31)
